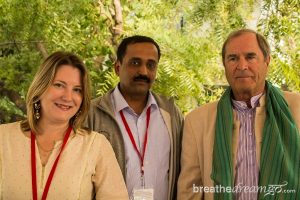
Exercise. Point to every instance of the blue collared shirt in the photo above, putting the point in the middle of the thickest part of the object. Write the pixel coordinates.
(157, 155)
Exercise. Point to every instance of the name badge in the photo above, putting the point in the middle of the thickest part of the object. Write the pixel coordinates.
(143, 194)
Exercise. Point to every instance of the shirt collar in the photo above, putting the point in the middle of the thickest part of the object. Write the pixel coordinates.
(242, 105)
(120, 103)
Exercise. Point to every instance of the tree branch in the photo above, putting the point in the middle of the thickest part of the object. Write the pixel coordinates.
(118, 29)
(42, 49)
(19, 42)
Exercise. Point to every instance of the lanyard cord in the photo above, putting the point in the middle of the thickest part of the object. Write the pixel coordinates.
(141, 155)
(33, 166)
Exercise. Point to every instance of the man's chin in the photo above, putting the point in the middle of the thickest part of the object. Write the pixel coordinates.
(141, 83)
(248, 91)
(243, 86)
(140, 91)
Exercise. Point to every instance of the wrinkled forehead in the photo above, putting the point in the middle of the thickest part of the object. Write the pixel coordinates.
(244, 42)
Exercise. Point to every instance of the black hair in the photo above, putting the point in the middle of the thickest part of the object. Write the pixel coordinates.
(133, 40)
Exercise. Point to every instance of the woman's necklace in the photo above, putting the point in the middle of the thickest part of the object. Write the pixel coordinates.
(45, 150)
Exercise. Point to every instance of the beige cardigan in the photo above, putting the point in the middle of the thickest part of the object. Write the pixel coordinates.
(198, 142)
(87, 168)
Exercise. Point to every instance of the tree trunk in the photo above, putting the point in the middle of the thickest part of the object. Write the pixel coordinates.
(118, 18)
(118, 27)
(42, 49)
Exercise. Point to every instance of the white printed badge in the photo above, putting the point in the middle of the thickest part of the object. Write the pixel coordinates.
(143, 194)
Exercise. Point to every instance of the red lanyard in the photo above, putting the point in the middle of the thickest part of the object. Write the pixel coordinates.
(132, 138)
(33, 166)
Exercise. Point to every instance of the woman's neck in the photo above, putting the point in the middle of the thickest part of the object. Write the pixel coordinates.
(53, 131)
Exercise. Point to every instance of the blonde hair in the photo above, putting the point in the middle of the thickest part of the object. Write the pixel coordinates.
(44, 78)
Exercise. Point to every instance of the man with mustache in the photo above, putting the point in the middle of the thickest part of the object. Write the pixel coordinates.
(247, 145)
(145, 129)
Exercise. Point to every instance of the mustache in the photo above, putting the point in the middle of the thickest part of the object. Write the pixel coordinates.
(142, 78)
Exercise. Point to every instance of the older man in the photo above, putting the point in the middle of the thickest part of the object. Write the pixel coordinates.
(246, 145)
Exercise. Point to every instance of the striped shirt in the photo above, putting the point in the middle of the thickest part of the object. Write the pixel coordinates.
(247, 170)
(157, 155)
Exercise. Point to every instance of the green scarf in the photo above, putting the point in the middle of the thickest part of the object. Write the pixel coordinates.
(280, 152)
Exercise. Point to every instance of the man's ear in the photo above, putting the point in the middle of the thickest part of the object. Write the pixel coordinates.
(267, 61)
(117, 66)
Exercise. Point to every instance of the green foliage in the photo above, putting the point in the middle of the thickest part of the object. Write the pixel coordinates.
(16, 70)
(280, 22)
(9, 107)
(21, 21)
(76, 26)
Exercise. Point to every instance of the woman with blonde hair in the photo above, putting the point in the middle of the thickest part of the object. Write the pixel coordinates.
(50, 155)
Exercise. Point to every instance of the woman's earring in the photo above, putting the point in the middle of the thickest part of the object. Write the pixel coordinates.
(37, 107)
